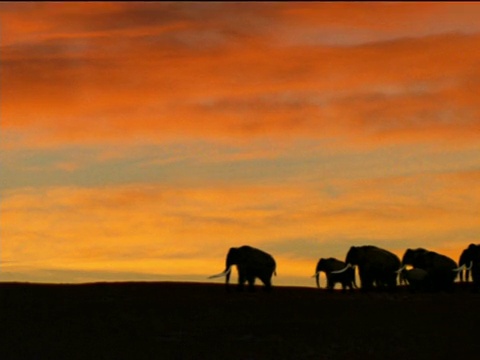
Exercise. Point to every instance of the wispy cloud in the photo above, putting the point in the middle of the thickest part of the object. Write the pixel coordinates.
(149, 87)
(154, 226)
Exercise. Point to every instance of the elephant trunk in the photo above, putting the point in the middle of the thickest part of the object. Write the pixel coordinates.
(317, 279)
(401, 274)
(354, 282)
(467, 272)
(227, 277)
(460, 269)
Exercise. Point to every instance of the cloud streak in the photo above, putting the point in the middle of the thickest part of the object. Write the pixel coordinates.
(177, 73)
(162, 229)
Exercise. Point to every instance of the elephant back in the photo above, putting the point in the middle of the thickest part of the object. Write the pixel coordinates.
(380, 258)
(435, 261)
(256, 257)
(391, 257)
(330, 264)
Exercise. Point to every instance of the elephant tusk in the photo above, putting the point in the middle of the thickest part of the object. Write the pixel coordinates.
(342, 270)
(470, 266)
(401, 269)
(460, 268)
(224, 273)
(318, 272)
(216, 276)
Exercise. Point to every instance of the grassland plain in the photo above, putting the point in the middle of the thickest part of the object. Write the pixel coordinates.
(166, 320)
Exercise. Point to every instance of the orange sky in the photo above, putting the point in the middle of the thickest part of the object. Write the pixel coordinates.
(139, 141)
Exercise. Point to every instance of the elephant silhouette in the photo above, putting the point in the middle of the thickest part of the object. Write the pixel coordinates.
(328, 266)
(441, 269)
(377, 267)
(470, 263)
(251, 264)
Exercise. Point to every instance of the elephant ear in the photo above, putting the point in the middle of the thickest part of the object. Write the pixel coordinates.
(257, 256)
(232, 256)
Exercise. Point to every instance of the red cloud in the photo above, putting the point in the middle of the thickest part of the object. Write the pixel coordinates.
(131, 72)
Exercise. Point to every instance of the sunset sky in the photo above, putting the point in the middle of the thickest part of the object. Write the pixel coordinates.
(140, 141)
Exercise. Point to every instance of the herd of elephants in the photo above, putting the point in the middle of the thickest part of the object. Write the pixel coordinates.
(419, 269)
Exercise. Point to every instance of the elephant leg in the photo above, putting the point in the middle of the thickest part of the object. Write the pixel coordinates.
(251, 283)
(475, 278)
(268, 283)
(266, 278)
(383, 282)
(367, 283)
(347, 284)
(330, 282)
(242, 278)
(391, 282)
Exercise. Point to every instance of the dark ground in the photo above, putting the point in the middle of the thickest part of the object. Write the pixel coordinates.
(202, 321)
